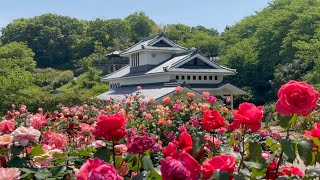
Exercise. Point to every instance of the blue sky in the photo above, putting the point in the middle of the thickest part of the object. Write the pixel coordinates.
(209, 13)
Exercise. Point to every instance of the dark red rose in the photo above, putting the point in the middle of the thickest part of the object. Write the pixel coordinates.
(297, 98)
(249, 115)
(97, 169)
(290, 170)
(183, 167)
(110, 127)
(212, 120)
(223, 163)
(140, 144)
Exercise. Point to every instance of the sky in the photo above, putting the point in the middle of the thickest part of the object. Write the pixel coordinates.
(209, 13)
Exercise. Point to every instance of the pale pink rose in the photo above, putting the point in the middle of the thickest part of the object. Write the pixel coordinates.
(149, 116)
(228, 100)
(205, 107)
(23, 135)
(40, 110)
(152, 100)
(23, 109)
(121, 148)
(9, 173)
(38, 120)
(13, 106)
(139, 87)
(205, 95)
(190, 95)
(98, 144)
(6, 140)
(55, 140)
(179, 89)
(85, 128)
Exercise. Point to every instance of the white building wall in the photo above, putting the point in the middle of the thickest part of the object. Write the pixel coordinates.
(142, 80)
(184, 77)
(153, 57)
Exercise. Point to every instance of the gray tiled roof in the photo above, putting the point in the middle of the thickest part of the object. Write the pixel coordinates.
(144, 44)
(200, 70)
(149, 91)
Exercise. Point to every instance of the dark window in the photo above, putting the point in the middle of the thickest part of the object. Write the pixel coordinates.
(216, 78)
(188, 77)
(162, 44)
(205, 77)
(182, 77)
(177, 77)
(199, 77)
(194, 77)
(210, 77)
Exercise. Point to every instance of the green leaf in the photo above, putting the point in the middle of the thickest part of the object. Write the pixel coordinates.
(18, 162)
(255, 152)
(154, 175)
(316, 141)
(305, 151)
(289, 148)
(103, 153)
(16, 150)
(284, 121)
(37, 150)
(59, 171)
(220, 175)
(147, 163)
(274, 146)
(197, 144)
(42, 174)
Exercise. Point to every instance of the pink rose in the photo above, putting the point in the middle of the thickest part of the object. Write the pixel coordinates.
(55, 140)
(9, 173)
(190, 95)
(212, 99)
(111, 127)
(6, 126)
(184, 167)
(97, 169)
(179, 89)
(6, 140)
(24, 135)
(205, 95)
(38, 120)
(120, 149)
(85, 128)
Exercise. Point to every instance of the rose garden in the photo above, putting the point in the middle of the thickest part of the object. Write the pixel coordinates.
(178, 138)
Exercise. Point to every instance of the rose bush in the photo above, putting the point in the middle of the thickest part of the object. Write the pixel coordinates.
(175, 138)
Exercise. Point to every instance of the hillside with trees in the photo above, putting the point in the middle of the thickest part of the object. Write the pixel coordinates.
(48, 59)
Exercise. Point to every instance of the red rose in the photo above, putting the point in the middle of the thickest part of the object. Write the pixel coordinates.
(183, 167)
(290, 170)
(297, 98)
(185, 142)
(248, 114)
(272, 166)
(170, 150)
(212, 120)
(97, 169)
(111, 127)
(223, 163)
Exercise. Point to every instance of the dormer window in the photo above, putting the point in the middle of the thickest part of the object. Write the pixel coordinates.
(135, 60)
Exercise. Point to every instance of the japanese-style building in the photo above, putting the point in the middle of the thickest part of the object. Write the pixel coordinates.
(158, 65)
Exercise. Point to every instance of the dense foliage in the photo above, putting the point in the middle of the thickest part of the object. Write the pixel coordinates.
(277, 44)
(177, 138)
(273, 46)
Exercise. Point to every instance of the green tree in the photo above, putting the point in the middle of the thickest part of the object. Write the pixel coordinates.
(141, 26)
(54, 39)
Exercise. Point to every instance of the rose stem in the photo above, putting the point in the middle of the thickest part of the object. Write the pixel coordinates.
(243, 148)
(281, 154)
